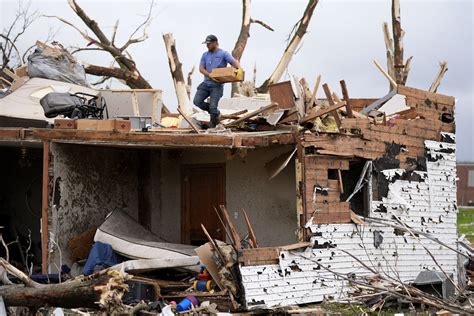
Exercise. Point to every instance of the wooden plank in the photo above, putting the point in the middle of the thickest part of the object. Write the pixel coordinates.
(259, 256)
(252, 114)
(312, 102)
(341, 186)
(232, 229)
(65, 123)
(356, 219)
(251, 232)
(190, 121)
(345, 94)
(176, 140)
(329, 109)
(295, 246)
(10, 133)
(156, 106)
(327, 91)
(136, 109)
(44, 208)
(390, 79)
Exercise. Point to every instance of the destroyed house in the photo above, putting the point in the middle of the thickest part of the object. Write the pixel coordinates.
(373, 193)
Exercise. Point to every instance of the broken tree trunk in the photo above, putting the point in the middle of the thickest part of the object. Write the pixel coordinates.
(398, 33)
(102, 290)
(131, 78)
(244, 34)
(396, 67)
(177, 73)
(81, 292)
(290, 50)
(123, 59)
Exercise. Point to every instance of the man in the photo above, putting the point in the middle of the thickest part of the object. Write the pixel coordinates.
(211, 87)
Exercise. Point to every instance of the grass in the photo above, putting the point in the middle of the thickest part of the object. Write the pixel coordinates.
(466, 223)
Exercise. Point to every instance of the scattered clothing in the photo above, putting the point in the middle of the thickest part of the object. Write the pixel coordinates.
(101, 254)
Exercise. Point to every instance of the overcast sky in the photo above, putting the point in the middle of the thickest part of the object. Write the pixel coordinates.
(342, 40)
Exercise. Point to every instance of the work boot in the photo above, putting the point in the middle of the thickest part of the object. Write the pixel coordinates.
(215, 120)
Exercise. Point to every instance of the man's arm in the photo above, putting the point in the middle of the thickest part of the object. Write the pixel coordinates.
(202, 66)
(235, 63)
(204, 71)
(231, 60)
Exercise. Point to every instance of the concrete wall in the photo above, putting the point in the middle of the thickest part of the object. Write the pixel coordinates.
(93, 182)
(271, 204)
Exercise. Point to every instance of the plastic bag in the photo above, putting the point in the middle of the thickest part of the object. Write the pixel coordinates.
(56, 67)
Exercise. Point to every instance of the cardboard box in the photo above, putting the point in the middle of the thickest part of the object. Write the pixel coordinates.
(228, 74)
(104, 125)
(65, 123)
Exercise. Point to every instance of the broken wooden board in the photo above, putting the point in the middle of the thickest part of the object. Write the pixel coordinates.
(252, 114)
(282, 93)
(65, 123)
(114, 125)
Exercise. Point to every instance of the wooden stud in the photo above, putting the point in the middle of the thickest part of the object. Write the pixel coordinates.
(313, 97)
(233, 230)
(390, 79)
(189, 120)
(341, 185)
(252, 236)
(330, 109)
(252, 114)
(327, 91)
(136, 109)
(345, 94)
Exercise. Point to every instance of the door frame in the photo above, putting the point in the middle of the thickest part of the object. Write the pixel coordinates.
(185, 210)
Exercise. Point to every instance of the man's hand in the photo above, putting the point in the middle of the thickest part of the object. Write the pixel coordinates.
(239, 73)
(213, 78)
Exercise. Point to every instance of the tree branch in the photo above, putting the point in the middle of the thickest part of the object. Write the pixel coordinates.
(265, 25)
(293, 44)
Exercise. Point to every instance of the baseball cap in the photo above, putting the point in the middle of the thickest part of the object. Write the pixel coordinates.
(210, 38)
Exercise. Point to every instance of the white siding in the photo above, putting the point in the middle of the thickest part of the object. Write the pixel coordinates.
(428, 206)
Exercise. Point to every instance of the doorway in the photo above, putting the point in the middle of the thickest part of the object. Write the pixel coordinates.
(202, 190)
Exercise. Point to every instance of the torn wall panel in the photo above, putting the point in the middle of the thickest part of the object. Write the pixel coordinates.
(427, 205)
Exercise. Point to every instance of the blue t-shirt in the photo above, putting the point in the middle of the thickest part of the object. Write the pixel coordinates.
(217, 59)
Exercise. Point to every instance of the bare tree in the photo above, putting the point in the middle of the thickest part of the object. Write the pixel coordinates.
(10, 54)
(127, 69)
(300, 30)
(244, 34)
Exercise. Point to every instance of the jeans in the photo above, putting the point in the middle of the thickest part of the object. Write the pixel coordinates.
(213, 90)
